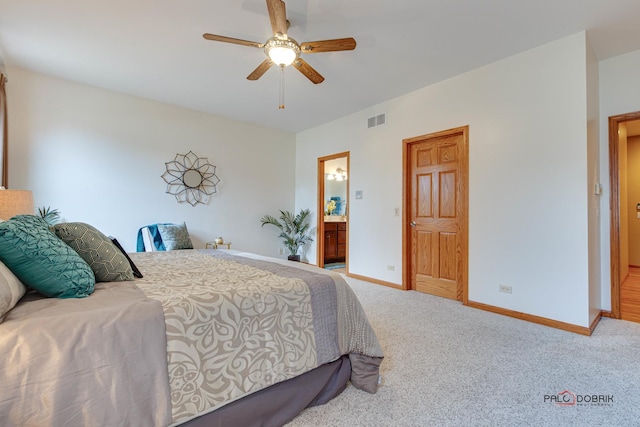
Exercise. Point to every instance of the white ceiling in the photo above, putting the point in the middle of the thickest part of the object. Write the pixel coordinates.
(154, 48)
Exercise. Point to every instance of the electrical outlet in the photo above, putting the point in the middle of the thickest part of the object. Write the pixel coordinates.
(504, 288)
(281, 251)
(391, 267)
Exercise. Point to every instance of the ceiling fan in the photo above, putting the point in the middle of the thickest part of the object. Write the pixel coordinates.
(283, 51)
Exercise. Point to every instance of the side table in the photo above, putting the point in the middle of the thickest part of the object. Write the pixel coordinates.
(214, 245)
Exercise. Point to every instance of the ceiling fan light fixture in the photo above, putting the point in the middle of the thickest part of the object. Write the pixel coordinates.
(282, 51)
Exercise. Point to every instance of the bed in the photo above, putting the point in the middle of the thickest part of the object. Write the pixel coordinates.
(205, 338)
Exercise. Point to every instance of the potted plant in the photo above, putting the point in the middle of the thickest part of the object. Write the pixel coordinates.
(51, 216)
(293, 230)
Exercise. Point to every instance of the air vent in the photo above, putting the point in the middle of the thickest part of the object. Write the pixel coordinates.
(378, 120)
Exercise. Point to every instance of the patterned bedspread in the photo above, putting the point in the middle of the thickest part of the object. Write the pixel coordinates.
(237, 323)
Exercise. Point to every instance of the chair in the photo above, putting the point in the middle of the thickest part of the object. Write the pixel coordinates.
(149, 239)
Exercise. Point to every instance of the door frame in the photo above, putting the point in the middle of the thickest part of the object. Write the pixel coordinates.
(320, 207)
(462, 208)
(614, 206)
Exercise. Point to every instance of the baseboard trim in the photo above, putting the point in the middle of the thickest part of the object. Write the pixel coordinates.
(536, 319)
(595, 323)
(608, 314)
(376, 281)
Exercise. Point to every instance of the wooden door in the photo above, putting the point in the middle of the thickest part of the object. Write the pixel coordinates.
(436, 213)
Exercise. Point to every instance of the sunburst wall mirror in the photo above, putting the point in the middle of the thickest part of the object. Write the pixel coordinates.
(190, 178)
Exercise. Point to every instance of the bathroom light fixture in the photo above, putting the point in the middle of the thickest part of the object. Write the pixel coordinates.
(339, 175)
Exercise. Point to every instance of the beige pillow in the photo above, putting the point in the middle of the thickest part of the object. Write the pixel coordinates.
(11, 290)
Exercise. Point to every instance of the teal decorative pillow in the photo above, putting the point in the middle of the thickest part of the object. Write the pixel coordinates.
(42, 261)
(175, 236)
(104, 258)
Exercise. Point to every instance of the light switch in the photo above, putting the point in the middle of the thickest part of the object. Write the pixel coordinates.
(358, 194)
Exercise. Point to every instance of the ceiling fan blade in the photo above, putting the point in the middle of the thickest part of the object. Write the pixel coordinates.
(328, 45)
(262, 68)
(218, 38)
(308, 71)
(278, 16)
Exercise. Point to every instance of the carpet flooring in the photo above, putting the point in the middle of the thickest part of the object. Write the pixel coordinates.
(450, 365)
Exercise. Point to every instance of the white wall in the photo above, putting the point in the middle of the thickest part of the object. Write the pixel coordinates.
(98, 157)
(619, 94)
(528, 177)
(593, 171)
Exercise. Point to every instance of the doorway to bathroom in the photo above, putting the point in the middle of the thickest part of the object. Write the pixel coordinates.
(624, 178)
(333, 212)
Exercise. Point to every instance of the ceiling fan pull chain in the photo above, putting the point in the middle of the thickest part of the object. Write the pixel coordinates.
(281, 103)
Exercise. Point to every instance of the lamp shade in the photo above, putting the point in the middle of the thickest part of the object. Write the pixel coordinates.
(15, 202)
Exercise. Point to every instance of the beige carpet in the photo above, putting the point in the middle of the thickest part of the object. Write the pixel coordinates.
(450, 365)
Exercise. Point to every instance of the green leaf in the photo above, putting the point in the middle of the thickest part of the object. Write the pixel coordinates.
(294, 228)
(51, 216)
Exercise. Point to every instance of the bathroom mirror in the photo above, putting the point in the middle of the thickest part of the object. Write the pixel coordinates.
(335, 189)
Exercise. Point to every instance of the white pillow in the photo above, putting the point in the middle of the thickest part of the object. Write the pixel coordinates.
(11, 290)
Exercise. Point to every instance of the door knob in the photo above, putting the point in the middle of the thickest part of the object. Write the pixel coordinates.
(412, 223)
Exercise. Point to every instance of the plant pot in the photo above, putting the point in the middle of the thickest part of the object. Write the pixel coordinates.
(294, 258)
